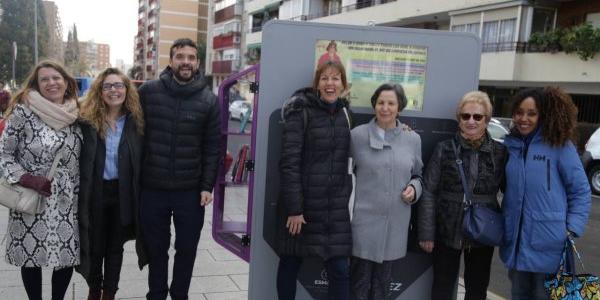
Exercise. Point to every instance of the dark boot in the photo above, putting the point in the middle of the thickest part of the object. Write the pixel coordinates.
(94, 294)
(108, 295)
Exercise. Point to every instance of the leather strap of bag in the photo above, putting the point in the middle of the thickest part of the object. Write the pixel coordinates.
(463, 179)
(55, 163)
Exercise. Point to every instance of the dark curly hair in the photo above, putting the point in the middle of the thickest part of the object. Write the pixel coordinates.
(557, 113)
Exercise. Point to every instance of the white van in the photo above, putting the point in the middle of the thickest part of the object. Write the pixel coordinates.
(591, 161)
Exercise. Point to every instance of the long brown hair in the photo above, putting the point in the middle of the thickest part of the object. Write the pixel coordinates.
(94, 109)
(557, 113)
(31, 83)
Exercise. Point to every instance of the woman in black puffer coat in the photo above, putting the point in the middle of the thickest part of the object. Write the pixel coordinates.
(315, 184)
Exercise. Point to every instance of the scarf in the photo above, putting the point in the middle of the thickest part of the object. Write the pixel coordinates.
(57, 116)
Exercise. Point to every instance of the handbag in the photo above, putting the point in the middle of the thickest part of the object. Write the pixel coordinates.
(22, 199)
(480, 223)
(566, 284)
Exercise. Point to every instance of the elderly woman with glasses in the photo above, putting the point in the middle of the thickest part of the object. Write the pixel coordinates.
(441, 210)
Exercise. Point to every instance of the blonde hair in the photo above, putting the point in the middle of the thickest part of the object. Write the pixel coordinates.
(477, 97)
(94, 109)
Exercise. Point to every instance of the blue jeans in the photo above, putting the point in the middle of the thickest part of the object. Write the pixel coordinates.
(527, 285)
(338, 274)
(157, 207)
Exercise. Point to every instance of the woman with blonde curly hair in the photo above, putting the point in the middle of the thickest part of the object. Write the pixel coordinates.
(112, 125)
(547, 194)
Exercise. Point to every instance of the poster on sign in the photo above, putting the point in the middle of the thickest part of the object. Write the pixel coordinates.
(369, 64)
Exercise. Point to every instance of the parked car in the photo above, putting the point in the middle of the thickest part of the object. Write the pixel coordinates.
(497, 130)
(238, 109)
(591, 161)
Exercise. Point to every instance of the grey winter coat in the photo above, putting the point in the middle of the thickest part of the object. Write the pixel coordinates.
(383, 168)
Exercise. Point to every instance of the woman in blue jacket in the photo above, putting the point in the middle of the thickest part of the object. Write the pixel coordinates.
(547, 193)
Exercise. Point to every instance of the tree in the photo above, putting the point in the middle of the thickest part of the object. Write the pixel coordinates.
(201, 53)
(14, 27)
(72, 59)
(136, 73)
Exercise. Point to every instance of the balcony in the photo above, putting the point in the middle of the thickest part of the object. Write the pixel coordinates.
(521, 62)
(142, 8)
(151, 27)
(224, 66)
(151, 13)
(150, 41)
(227, 40)
(360, 4)
(228, 13)
(139, 45)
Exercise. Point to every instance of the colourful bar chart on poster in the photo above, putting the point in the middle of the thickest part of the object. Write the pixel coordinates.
(368, 65)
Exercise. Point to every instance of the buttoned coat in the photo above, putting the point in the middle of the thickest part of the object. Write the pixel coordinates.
(383, 168)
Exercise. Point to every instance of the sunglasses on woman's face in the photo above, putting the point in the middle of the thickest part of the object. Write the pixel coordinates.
(467, 117)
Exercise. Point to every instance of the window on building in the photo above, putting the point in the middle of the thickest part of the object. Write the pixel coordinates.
(472, 28)
(261, 18)
(363, 3)
(594, 19)
(543, 20)
(507, 31)
(332, 7)
(223, 4)
(489, 35)
(459, 28)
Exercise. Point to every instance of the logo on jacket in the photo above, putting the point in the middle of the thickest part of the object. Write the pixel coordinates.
(539, 157)
(323, 280)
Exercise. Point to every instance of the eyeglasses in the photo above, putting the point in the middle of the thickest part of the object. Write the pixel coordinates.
(467, 117)
(116, 85)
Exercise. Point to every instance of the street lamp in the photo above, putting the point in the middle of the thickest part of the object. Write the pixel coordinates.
(14, 60)
(35, 30)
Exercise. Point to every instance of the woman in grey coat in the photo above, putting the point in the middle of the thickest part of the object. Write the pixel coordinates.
(387, 157)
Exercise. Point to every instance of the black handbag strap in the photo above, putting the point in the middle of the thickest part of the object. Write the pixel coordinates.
(463, 179)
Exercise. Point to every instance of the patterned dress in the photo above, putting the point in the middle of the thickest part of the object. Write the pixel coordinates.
(50, 238)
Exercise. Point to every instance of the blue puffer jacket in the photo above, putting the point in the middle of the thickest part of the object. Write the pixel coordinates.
(547, 193)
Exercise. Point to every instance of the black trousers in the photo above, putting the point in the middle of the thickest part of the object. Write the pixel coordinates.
(446, 264)
(32, 280)
(157, 208)
(370, 280)
(108, 241)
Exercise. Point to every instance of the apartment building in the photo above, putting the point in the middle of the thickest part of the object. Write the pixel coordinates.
(95, 56)
(160, 23)
(508, 62)
(224, 39)
(55, 37)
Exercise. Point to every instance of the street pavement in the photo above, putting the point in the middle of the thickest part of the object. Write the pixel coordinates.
(588, 246)
(218, 274)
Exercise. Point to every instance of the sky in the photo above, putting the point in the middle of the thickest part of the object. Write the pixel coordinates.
(112, 22)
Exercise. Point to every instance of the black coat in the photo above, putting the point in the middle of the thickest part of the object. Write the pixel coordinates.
(314, 177)
(182, 134)
(441, 207)
(93, 154)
